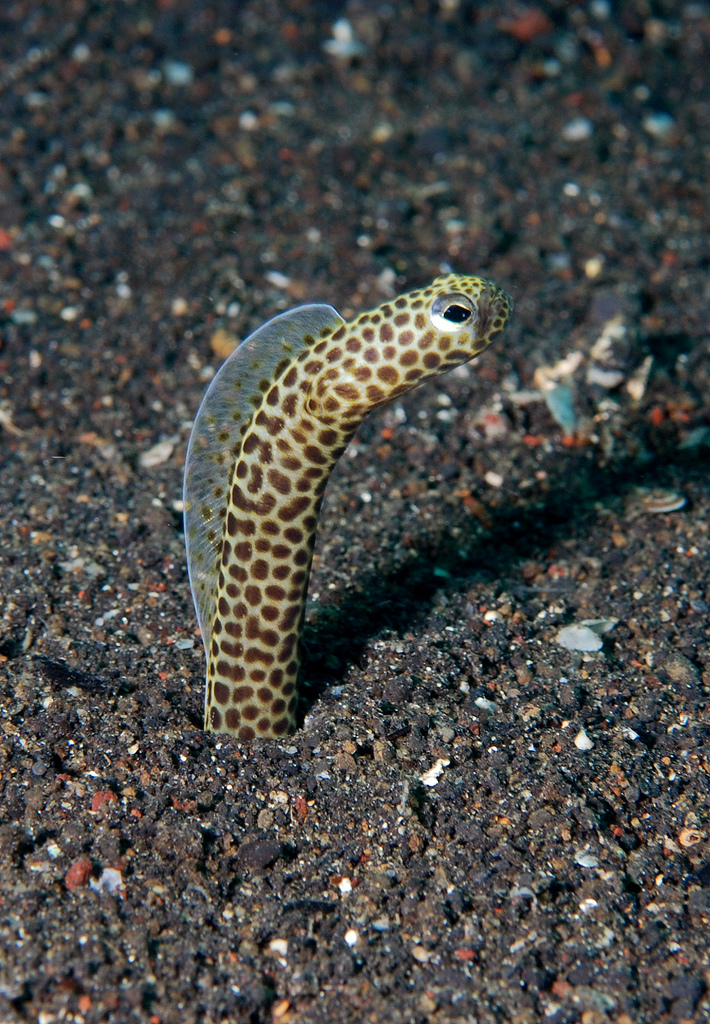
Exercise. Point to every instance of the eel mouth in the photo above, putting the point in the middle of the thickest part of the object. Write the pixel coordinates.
(494, 309)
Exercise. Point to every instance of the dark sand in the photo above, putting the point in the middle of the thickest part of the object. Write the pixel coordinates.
(559, 870)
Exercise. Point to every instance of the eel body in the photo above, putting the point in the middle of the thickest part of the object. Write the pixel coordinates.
(272, 424)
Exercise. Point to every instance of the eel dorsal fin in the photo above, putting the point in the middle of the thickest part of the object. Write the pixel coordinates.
(232, 398)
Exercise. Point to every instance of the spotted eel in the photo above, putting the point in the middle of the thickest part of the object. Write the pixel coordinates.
(274, 421)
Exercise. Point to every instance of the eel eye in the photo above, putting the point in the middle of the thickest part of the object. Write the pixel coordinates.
(452, 312)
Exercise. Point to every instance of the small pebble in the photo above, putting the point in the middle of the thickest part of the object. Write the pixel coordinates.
(382, 132)
(577, 130)
(78, 874)
(36, 99)
(660, 126)
(683, 671)
(551, 67)
(594, 266)
(351, 937)
(178, 73)
(164, 119)
(179, 307)
(81, 190)
(223, 343)
(344, 42)
(258, 855)
(279, 946)
(81, 53)
(382, 924)
(23, 316)
(421, 954)
(248, 120)
(265, 818)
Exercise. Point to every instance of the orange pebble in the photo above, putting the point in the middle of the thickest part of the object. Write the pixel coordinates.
(78, 873)
(527, 26)
(103, 797)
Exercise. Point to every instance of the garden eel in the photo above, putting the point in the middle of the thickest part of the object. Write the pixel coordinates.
(274, 421)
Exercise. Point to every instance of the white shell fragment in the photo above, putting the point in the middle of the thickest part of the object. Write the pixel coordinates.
(599, 626)
(660, 502)
(586, 860)
(423, 956)
(579, 638)
(582, 741)
(613, 330)
(177, 72)
(545, 377)
(431, 776)
(636, 384)
(484, 704)
(608, 379)
(690, 836)
(278, 280)
(577, 130)
(560, 402)
(697, 437)
(585, 635)
(110, 881)
(156, 455)
(344, 43)
(659, 126)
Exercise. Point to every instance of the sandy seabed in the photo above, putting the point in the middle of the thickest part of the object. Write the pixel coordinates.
(474, 824)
